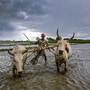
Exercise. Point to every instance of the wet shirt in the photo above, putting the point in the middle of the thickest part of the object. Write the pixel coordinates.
(42, 43)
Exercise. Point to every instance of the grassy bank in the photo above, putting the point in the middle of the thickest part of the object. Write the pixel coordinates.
(8, 42)
(73, 41)
(79, 41)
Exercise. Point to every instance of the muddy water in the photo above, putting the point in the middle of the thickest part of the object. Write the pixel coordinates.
(45, 77)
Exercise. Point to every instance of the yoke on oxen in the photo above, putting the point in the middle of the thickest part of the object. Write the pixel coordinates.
(61, 50)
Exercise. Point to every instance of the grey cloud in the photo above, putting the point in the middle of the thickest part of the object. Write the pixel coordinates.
(5, 25)
(11, 7)
(10, 12)
(68, 15)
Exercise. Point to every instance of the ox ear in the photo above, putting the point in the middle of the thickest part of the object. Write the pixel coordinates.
(58, 36)
(25, 51)
(11, 53)
(66, 48)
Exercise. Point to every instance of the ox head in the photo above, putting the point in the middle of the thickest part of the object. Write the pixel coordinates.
(19, 58)
(63, 46)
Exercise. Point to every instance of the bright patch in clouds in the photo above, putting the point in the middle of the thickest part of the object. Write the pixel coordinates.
(23, 14)
(31, 35)
(21, 30)
(81, 35)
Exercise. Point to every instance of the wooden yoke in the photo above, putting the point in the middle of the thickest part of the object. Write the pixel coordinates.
(33, 49)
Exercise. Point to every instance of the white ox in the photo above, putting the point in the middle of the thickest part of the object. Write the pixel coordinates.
(18, 57)
(62, 52)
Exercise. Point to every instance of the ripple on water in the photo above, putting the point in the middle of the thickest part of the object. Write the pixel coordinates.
(41, 77)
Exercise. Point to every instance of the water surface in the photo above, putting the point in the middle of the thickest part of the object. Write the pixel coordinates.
(45, 77)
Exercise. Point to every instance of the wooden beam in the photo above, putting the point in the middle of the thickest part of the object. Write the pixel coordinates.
(33, 49)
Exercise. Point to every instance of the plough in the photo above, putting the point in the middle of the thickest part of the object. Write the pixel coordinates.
(33, 48)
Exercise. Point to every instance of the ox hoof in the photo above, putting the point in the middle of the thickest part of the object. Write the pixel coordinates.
(19, 74)
(58, 70)
(14, 75)
(65, 69)
(46, 63)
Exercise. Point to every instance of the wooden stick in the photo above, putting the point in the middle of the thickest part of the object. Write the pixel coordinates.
(33, 49)
(26, 37)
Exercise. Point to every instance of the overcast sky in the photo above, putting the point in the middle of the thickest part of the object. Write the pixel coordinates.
(34, 17)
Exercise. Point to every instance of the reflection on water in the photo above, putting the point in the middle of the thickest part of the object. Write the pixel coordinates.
(41, 77)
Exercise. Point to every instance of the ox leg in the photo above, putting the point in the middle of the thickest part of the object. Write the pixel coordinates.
(57, 66)
(13, 71)
(45, 59)
(66, 67)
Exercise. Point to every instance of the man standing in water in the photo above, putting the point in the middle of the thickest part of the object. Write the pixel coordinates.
(41, 43)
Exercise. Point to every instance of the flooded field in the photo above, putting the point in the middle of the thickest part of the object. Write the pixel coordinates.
(45, 77)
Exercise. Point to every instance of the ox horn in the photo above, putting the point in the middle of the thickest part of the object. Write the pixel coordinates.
(72, 36)
(57, 33)
(58, 36)
(11, 53)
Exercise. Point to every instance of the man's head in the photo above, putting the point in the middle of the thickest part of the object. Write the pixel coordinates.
(42, 35)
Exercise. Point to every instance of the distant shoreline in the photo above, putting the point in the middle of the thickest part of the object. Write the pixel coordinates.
(11, 43)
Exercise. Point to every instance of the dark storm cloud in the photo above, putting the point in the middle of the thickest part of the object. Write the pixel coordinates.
(5, 25)
(69, 15)
(19, 10)
(11, 7)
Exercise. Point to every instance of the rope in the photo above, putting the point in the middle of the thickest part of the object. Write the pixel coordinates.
(30, 57)
(51, 51)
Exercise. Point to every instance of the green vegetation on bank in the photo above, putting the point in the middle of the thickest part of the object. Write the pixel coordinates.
(50, 40)
(79, 41)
